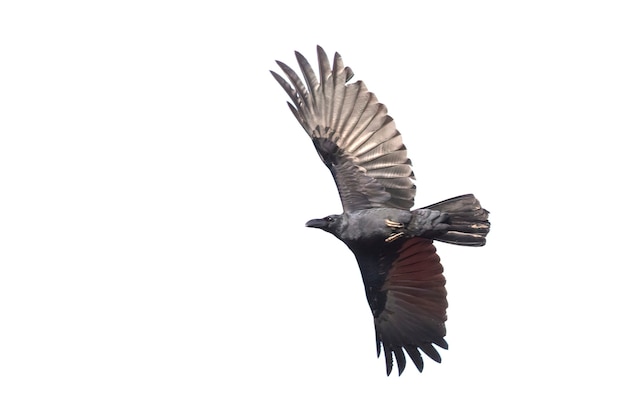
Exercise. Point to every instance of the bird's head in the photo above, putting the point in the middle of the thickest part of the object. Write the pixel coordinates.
(331, 224)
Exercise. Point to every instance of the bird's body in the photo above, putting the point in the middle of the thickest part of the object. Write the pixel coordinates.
(393, 245)
(385, 224)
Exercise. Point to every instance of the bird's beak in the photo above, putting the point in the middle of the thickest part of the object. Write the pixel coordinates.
(317, 223)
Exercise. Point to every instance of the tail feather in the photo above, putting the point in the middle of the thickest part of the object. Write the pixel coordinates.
(468, 221)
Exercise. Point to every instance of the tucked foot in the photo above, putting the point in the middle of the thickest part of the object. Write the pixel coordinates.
(394, 237)
(393, 225)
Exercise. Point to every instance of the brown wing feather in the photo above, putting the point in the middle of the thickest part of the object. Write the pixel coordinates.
(414, 314)
(368, 160)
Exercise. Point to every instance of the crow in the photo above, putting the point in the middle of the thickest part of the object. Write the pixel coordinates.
(359, 143)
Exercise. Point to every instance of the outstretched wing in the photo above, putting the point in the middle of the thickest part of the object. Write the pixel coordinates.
(405, 288)
(352, 133)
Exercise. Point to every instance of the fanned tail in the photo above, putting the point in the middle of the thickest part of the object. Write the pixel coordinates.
(467, 219)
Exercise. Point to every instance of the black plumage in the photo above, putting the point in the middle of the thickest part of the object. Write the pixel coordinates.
(393, 245)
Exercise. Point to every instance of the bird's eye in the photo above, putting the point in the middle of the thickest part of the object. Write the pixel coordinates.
(329, 219)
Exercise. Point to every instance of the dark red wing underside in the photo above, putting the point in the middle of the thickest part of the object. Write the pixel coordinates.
(414, 313)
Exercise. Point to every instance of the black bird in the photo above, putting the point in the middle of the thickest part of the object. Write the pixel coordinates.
(393, 245)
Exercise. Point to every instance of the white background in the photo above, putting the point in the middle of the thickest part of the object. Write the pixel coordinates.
(154, 188)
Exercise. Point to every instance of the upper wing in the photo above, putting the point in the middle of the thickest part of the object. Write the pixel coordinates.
(353, 134)
(405, 288)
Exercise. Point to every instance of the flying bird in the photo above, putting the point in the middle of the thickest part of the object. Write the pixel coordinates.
(359, 143)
